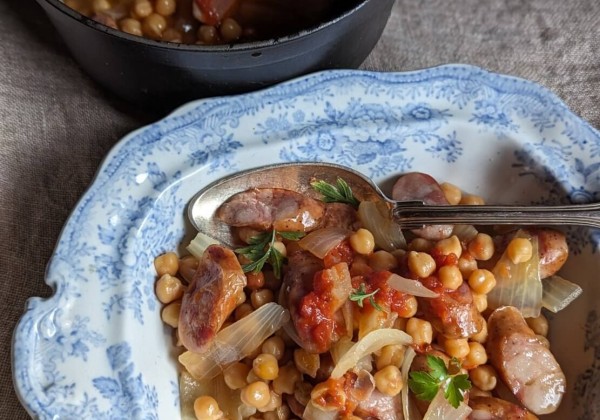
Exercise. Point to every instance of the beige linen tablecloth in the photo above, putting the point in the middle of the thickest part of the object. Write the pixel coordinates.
(56, 124)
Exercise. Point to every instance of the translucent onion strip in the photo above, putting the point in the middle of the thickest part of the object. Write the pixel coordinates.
(559, 293)
(321, 241)
(235, 342)
(440, 409)
(410, 412)
(518, 285)
(465, 232)
(375, 217)
(313, 412)
(199, 244)
(370, 343)
(412, 287)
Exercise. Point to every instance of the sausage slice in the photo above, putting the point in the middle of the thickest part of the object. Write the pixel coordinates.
(526, 366)
(213, 294)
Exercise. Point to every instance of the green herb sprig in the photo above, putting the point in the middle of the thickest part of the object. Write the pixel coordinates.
(260, 250)
(359, 295)
(339, 193)
(426, 385)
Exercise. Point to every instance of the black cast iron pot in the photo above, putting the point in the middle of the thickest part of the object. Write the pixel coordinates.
(158, 74)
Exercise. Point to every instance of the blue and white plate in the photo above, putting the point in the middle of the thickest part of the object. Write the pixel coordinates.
(98, 349)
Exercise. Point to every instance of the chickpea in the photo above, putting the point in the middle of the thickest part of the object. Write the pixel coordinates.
(235, 375)
(280, 246)
(482, 281)
(209, 35)
(421, 264)
(420, 245)
(288, 377)
(456, 347)
(481, 336)
(165, 7)
(265, 366)
(476, 392)
(420, 331)
(187, 267)
(481, 247)
(246, 234)
(261, 297)
(480, 301)
(477, 355)
(410, 308)
(362, 241)
(141, 9)
(519, 250)
(100, 6)
(172, 35)
(449, 246)
(539, 325)
(274, 345)
(170, 314)
(168, 288)
(452, 193)
(255, 280)
(450, 276)
(257, 394)
(207, 408)
(471, 200)
(484, 377)
(243, 310)
(166, 264)
(154, 25)
(467, 264)
(389, 380)
(390, 355)
(131, 26)
(382, 260)
(306, 362)
(230, 29)
(274, 403)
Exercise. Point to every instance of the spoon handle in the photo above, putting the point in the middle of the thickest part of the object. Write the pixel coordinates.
(411, 215)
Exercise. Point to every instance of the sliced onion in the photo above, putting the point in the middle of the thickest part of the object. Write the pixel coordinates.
(228, 399)
(235, 342)
(370, 343)
(408, 409)
(440, 409)
(518, 285)
(199, 244)
(465, 232)
(314, 412)
(321, 241)
(375, 217)
(411, 287)
(559, 293)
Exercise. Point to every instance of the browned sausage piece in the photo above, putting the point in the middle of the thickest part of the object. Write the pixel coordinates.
(380, 406)
(277, 208)
(453, 313)
(211, 297)
(553, 250)
(490, 408)
(526, 366)
(422, 187)
(339, 215)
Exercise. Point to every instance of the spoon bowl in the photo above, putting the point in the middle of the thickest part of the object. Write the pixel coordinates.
(297, 176)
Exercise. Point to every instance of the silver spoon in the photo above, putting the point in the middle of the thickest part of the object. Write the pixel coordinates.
(408, 214)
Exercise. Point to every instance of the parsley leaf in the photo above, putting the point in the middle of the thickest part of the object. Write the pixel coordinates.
(454, 390)
(260, 250)
(359, 295)
(425, 385)
(339, 193)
